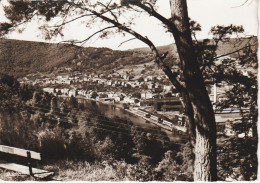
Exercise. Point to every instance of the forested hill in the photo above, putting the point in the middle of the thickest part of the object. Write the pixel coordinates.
(19, 58)
(22, 57)
(229, 46)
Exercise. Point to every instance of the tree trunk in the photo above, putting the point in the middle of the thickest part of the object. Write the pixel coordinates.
(189, 119)
(204, 119)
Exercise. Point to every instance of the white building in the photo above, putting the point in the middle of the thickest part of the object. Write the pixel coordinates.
(48, 90)
(167, 88)
(65, 91)
(129, 100)
(146, 95)
(72, 93)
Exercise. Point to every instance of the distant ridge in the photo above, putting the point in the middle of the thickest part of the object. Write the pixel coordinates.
(224, 47)
(19, 58)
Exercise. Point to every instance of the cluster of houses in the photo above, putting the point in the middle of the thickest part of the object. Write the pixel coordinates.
(69, 86)
(102, 96)
(111, 80)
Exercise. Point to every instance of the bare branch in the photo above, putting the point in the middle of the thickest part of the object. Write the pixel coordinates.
(66, 15)
(240, 5)
(25, 21)
(126, 41)
(234, 51)
(158, 59)
(151, 6)
(172, 77)
(153, 13)
(64, 23)
(109, 3)
(108, 10)
(83, 41)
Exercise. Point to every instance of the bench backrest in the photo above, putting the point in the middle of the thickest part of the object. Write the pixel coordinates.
(20, 152)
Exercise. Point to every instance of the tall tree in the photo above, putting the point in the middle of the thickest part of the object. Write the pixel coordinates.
(196, 93)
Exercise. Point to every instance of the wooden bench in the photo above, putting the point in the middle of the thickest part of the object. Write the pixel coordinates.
(27, 170)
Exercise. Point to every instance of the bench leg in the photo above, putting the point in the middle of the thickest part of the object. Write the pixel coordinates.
(29, 162)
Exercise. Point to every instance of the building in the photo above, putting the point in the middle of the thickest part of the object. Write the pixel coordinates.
(168, 104)
(146, 95)
(231, 129)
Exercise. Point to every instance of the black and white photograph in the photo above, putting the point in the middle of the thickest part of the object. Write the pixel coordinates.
(128, 90)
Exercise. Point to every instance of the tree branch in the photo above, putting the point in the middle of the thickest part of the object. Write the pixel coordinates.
(171, 76)
(64, 23)
(126, 41)
(109, 10)
(23, 22)
(153, 13)
(233, 51)
(91, 35)
(158, 59)
(240, 5)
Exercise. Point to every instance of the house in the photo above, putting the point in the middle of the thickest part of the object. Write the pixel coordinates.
(72, 93)
(146, 95)
(125, 76)
(48, 90)
(109, 82)
(231, 129)
(65, 91)
(82, 92)
(129, 100)
(117, 99)
(149, 78)
(110, 95)
(100, 81)
(150, 86)
(167, 88)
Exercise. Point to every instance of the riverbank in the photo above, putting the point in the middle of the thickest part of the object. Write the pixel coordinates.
(164, 124)
(136, 116)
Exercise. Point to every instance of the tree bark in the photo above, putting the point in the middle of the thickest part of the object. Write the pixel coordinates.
(203, 114)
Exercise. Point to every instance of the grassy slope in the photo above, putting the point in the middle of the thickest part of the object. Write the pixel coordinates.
(76, 171)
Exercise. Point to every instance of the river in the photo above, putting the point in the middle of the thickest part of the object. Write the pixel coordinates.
(112, 111)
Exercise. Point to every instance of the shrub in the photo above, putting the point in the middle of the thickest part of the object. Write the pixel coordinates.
(169, 170)
(52, 145)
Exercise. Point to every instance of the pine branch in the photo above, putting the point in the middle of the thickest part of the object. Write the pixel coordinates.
(240, 5)
(99, 31)
(153, 13)
(233, 51)
(126, 41)
(64, 23)
(109, 10)
(158, 58)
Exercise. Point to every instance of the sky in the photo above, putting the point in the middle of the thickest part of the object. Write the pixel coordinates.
(206, 12)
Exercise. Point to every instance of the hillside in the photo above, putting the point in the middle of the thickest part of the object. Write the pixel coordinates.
(224, 47)
(19, 58)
